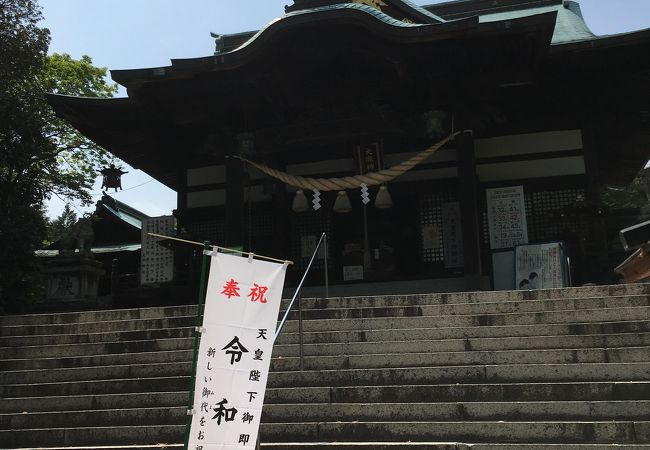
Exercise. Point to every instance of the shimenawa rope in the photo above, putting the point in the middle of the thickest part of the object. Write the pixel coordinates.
(353, 182)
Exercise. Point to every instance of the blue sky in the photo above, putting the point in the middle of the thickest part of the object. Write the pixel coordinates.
(125, 34)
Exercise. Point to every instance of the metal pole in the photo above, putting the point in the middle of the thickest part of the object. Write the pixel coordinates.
(199, 322)
(295, 294)
(302, 364)
(327, 282)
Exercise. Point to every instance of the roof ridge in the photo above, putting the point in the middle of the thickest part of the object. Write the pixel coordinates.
(465, 8)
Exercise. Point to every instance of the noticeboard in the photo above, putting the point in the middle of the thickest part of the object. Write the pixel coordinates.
(541, 266)
(506, 211)
(156, 261)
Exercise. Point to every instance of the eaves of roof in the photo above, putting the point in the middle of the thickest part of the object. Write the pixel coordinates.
(361, 15)
(125, 217)
(98, 249)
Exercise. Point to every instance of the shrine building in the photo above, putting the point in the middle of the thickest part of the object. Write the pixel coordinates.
(531, 99)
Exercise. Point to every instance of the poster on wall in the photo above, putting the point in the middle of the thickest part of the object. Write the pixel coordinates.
(241, 309)
(430, 237)
(452, 235)
(541, 266)
(156, 261)
(506, 211)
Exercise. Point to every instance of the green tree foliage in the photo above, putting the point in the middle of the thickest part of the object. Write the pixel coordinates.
(77, 158)
(59, 227)
(40, 155)
(23, 149)
(635, 195)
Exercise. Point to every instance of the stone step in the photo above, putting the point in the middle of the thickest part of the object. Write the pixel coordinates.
(512, 432)
(95, 418)
(381, 446)
(551, 432)
(369, 446)
(166, 369)
(473, 344)
(473, 297)
(94, 402)
(333, 337)
(505, 299)
(384, 412)
(114, 447)
(355, 312)
(169, 363)
(519, 392)
(461, 309)
(156, 312)
(554, 446)
(498, 331)
(75, 437)
(442, 446)
(481, 320)
(72, 355)
(339, 302)
(150, 357)
(101, 348)
(95, 338)
(347, 412)
(29, 412)
(416, 386)
(99, 327)
(514, 373)
(633, 354)
(130, 385)
(560, 316)
(21, 382)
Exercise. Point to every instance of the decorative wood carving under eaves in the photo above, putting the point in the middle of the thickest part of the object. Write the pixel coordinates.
(377, 4)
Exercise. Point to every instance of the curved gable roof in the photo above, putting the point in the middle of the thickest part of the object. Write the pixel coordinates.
(570, 26)
(407, 9)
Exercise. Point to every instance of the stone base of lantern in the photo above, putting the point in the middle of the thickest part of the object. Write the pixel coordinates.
(72, 282)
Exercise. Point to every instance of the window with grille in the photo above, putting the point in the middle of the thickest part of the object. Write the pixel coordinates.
(431, 216)
(306, 228)
(549, 213)
(213, 230)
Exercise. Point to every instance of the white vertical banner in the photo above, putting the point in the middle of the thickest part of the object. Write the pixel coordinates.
(241, 312)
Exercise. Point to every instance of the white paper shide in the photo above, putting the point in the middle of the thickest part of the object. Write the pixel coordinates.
(241, 310)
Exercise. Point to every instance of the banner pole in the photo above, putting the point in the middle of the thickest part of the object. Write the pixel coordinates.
(197, 333)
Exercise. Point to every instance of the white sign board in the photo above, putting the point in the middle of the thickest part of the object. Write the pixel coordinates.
(541, 266)
(156, 261)
(506, 210)
(351, 273)
(241, 310)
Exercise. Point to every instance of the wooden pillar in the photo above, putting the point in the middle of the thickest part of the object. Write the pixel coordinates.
(468, 196)
(234, 203)
(281, 218)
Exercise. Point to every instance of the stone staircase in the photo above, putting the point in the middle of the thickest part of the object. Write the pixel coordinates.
(548, 369)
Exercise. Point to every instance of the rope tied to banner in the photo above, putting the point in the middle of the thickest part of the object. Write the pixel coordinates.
(351, 182)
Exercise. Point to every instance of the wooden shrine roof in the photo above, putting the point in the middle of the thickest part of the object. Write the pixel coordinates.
(338, 70)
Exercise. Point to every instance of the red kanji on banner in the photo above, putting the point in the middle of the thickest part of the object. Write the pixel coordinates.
(231, 289)
(257, 293)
